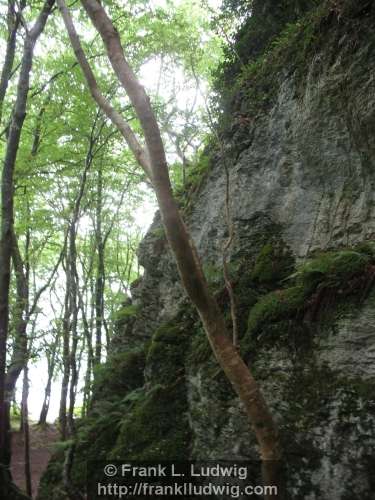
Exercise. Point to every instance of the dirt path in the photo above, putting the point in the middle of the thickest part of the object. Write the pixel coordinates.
(41, 444)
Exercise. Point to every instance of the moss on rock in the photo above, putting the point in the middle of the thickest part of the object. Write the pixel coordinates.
(165, 357)
(332, 269)
(273, 264)
(122, 372)
(332, 275)
(157, 427)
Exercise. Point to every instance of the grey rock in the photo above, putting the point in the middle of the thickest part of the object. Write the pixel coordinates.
(308, 175)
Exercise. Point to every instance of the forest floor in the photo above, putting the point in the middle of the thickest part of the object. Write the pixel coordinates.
(41, 448)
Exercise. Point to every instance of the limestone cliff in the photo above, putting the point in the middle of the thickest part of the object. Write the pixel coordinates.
(298, 140)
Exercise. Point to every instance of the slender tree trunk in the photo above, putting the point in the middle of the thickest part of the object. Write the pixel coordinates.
(7, 203)
(74, 332)
(46, 401)
(186, 257)
(70, 377)
(26, 430)
(99, 283)
(20, 352)
(90, 355)
(19, 356)
(51, 363)
(66, 356)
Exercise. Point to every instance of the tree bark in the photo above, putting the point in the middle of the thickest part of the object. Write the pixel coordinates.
(7, 203)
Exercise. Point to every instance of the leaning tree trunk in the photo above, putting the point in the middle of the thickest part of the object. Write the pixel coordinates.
(7, 204)
(185, 254)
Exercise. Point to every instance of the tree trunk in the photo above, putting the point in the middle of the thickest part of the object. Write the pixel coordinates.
(73, 326)
(46, 401)
(99, 282)
(51, 363)
(71, 308)
(90, 355)
(66, 355)
(7, 203)
(26, 429)
(186, 257)
(19, 356)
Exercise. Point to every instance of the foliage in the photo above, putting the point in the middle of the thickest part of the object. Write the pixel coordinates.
(125, 312)
(196, 172)
(262, 22)
(69, 151)
(287, 40)
(50, 486)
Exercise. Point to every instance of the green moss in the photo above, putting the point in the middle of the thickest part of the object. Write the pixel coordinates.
(166, 353)
(257, 84)
(126, 311)
(332, 269)
(273, 264)
(124, 317)
(121, 373)
(196, 171)
(200, 349)
(366, 248)
(263, 20)
(335, 274)
(158, 232)
(157, 427)
(275, 306)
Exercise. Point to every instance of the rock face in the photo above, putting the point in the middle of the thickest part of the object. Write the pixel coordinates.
(302, 175)
(303, 172)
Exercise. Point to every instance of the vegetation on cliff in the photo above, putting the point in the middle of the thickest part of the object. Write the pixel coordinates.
(145, 401)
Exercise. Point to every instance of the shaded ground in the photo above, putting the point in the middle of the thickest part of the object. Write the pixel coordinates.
(41, 444)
